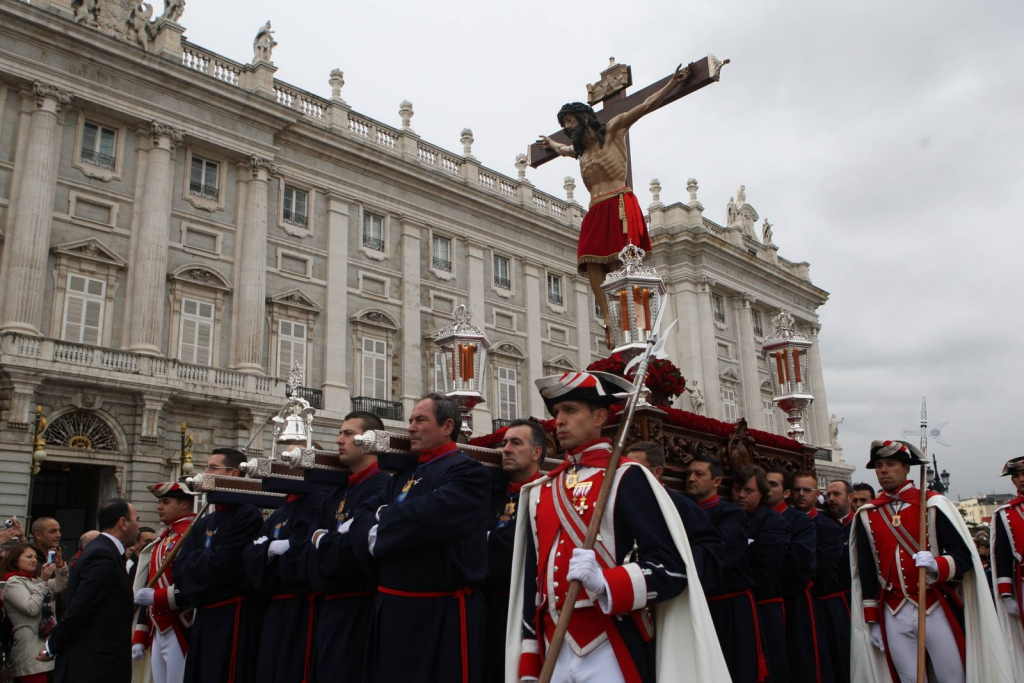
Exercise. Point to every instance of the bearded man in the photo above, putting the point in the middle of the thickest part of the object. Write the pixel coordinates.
(614, 218)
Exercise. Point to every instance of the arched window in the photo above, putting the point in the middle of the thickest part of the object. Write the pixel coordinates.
(81, 430)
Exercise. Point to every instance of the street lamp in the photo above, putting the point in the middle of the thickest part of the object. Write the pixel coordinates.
(38, 456)
(937, 482)
(187, 441)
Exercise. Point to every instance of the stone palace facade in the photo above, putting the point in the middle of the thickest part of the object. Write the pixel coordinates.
(177, 228)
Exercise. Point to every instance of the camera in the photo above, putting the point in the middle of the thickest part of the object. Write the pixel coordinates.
(50, 556)
(9, 523)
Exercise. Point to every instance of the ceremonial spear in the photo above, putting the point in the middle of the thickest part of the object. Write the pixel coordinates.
(921, 577)
(655, 343)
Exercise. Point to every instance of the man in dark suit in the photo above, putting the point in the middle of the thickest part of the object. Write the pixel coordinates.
(92, 643)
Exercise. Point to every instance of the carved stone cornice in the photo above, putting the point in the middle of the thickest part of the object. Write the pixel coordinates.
(44, 91)
(260, 167)
(160, 131)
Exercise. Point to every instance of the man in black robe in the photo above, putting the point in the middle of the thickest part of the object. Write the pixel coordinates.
(427, 531)
(208, 576)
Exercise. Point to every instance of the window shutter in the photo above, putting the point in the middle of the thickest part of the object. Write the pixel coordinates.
(187, 350)
(284, 356)
(93, 323)
(204, 342)
(73, 311)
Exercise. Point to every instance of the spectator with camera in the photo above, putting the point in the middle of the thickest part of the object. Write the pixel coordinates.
(28, 599)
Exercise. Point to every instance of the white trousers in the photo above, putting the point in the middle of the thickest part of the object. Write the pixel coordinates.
(599, 664)
(168, 661)
(901, 639)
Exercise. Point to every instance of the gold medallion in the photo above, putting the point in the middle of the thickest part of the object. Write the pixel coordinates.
(571, 478)
(408, 485)
(896, 520)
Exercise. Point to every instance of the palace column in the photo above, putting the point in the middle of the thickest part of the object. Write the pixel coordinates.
(32, 197)
(709, 350)
(251, 267)
(147, 273)
(337, 396)
(411, 351)
(822, 435)
(534, 348)
(475, 267)
(584, 312)
(748, 363)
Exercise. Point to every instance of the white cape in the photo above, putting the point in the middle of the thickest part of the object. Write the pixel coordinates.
(987, 659)
(142, 669)
(687, 643)
(1013, 630)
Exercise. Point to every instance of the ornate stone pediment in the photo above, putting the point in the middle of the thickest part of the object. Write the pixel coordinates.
(91, 249)
(296, 298)
(506, 348)
(376, 317)
(197, 273)
(730, 376)
(562, 362)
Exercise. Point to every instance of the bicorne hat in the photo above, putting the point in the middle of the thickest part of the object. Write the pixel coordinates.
(898, 450)
(592, 387)
(1013, 466)
(171, 489)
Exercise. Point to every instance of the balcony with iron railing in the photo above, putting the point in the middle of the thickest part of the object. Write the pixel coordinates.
(555, 298)
(295, 218)
(203, 190)
(497, 424)
(502, 282)
(375, 243)
(98, 159)
(442, 264)
(385, 410)
(315, 397)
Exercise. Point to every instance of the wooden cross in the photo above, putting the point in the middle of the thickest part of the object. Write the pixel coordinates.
(611, 90)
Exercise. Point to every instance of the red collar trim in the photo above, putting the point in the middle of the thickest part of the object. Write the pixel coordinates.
(179, 525)
(1016, 501)
(848, 518)
(362, 475)
(292, 497)
(7, 577)
(710, 502)
(514, 487)
(908, 493)
(431, 454)
(781, 507)
(813, 513)
(594, 454)
(221, 507)
(605, 444)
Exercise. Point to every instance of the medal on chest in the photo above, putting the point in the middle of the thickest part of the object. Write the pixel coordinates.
(208, 542)
(571, 478)
(507, 515)
(897, 507)
(277, 529)
(339, 515)
(579, 496)
(405, 489)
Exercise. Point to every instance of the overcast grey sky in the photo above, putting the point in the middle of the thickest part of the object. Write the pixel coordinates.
(878, 138)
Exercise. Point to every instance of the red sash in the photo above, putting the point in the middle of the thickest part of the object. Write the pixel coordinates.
(459, 595)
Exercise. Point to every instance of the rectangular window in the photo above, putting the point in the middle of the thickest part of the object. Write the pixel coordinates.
(196, 332)
(768, 410)
(508, 394)
(296, 206)
(83, 310)
(758, 324)
(718, 306)
(502, 273)
(204, 180)
(99, 145)
(291, 347)
(375, 376)
(729, 408)
(442, 253)
(555, 289)
(373, 231)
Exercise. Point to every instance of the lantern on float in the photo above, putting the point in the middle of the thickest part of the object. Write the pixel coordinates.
(785, 351)
(635, 294)
(463, 348)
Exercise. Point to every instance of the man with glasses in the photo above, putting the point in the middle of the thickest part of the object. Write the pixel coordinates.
(208, 575)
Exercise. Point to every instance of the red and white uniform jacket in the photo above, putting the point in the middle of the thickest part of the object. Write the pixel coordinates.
(1007, 538)
(165, 613)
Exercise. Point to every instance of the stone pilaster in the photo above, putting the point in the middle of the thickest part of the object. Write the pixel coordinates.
(475, 266)
(337, 395)
(148, 271)
(819, 422)
(748, 363)
(23, 272)
(584, 313)
(534, 348)
(412, 323)
(683, 344)
(20, 385)
(709, 350)
(251, 267)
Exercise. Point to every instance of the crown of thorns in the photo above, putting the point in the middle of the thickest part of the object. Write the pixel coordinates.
(576, 109)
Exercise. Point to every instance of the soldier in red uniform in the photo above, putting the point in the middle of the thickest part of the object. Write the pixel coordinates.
(642, 558)
(162, 624)
(961, 629)
(1007, 536)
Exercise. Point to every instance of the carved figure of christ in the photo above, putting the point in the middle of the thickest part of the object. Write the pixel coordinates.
(599, 140)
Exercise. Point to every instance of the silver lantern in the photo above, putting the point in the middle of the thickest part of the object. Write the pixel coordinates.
(463, 348)
(635, 293)
(785, 351)
(293, 424)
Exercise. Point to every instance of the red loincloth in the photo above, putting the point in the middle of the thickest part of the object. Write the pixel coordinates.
(602, 236)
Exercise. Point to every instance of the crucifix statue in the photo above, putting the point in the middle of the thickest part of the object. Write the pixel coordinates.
(600, 140)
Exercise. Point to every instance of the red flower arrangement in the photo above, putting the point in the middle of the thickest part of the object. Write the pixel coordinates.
(663, 378)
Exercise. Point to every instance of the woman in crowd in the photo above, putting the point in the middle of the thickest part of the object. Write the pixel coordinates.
(29, 604)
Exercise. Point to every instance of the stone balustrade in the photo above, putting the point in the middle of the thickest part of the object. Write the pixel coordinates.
(215, 66)
(147, 371)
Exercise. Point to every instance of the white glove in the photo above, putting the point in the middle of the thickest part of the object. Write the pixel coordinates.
(371, 538)
(138, 651)
(261, 539)
(584, 567)
(279, 547)
(343, 529)
(1011, 606)
(876, 637)
(927, 560)
(144, 597)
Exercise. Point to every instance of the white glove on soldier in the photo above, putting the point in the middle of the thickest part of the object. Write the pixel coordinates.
(584, 567)
(261, 539)
(371, 539)
(1011, 606)
(927, 560)
(138, 651)
(876, 637)
(278, 547)
(144, 597)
